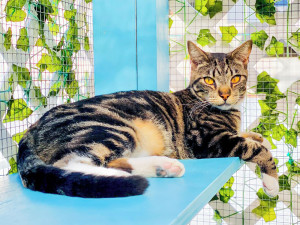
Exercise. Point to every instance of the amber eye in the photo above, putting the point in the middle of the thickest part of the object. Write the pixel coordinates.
(235, 79)
(209, 80)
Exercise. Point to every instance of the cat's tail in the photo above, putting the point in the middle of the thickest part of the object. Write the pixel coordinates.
(38, 176)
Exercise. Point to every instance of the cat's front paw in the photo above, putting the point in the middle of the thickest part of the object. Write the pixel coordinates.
(270, 185)
(169, 168)
(253, 136)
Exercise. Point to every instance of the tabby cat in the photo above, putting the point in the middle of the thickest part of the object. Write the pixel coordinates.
(105, 146)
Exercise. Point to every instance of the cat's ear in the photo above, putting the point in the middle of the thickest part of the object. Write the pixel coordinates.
(197, 55)
(242, 53)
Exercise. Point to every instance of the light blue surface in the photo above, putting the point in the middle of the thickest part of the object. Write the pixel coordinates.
(153, 45)
(167, 200)
(146, 44)
(114, 25)
(131, 49)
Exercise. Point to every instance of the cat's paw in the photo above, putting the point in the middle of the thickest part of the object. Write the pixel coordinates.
(254, 136)
(169, 168)
(270, 185)
(156, 166)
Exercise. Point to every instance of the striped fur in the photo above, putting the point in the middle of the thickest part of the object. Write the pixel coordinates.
(77, 149)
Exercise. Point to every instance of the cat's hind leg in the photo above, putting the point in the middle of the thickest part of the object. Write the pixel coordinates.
(75, 163)
(151, 166)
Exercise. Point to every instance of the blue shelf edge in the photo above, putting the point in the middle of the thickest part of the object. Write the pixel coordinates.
(198, 203)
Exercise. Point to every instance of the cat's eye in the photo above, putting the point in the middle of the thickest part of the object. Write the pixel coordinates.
(209, 80)
(235, 79)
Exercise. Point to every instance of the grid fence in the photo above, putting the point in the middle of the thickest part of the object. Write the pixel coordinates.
(46, 59)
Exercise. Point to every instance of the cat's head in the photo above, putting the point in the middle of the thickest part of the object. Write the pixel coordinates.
(219, 78)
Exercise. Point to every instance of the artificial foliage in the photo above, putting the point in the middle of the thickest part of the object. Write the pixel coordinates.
(38, 22)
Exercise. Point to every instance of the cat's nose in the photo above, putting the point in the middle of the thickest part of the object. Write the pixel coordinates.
(224, 96)
(224, 93)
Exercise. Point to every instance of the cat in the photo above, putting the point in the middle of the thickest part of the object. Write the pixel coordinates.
(105, 146)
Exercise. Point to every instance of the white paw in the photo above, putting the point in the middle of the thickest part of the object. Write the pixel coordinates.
(168, 167)
(270, 185)
(157, 166)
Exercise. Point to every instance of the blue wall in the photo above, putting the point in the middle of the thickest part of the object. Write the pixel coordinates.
(131, 45)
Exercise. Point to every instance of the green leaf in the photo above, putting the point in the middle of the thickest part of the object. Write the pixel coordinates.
(208, 7)
(86, 43)
(47, 5)
(17, 110)
(88, 28)
(293, 167)
(39, 43)
(291, 137)
(66, 61)
(278, 132)
(214, 198)
(226, 194)
(23, 41)
(284, 183)
(88, 1)
(7, 39)
(13, 166)
(298, 100)
(229, 183)
(55, 88)
(264, 107)
(70, 14)
(72, 31)
(170, 23)
(263, 196)
(200, 5)
(22, 74)
(217, 217)
(14, 12)
(54, 28)
(234, 1)
(72, 37)
(228, 33)
(17, 137)
(72, 86)
(75, 45)
(60, 44)
(54, 4)
(298, 125)
(268, 19)
(257, 171)
(268, 85)
(273, 146)
(259, 39)
(267, 213)
(266, 207)
(296, 37)
(214, 7)
(265, 11)
(38, 94)
(51, 63)
(205, 38)
(16, 15)
(275, 47)
(269, 119)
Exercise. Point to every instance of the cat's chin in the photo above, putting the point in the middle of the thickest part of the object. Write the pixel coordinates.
(228, 106)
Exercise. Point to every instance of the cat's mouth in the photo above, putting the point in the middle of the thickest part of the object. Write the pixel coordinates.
(224, 106)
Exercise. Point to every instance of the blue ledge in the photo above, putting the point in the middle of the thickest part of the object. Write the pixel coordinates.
(167, 200)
